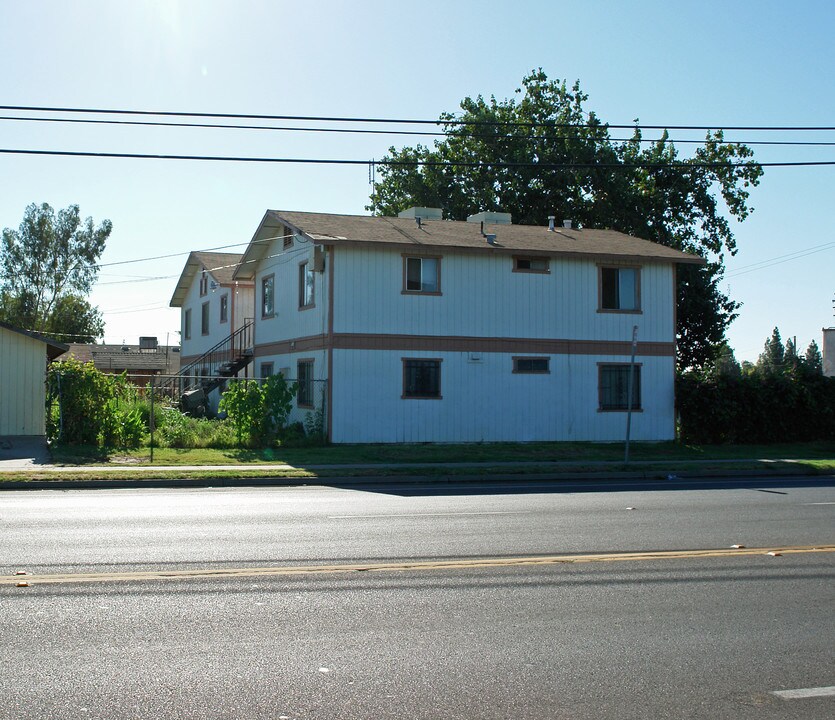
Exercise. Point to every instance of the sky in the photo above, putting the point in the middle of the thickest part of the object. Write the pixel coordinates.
(718, 64)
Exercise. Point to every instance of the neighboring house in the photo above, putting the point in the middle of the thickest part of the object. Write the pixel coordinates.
(23, 359)
(828, 352)
(418, 329)
(146, 359)
(214, 307)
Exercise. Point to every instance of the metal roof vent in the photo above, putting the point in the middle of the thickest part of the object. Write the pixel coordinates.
(551, 219)
(423, 213)
(566, 224)
(496, 218)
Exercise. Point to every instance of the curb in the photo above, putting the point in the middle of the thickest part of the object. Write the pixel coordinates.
(660, 477)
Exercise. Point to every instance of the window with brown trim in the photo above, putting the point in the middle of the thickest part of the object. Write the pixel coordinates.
(422, 275)
(268, 296)
(620, 289)
(306, 286)
(204, 319)
(304, 378)
(613, 384)
(531, 365)
(224, 308)
(531, 264)
(421, 379)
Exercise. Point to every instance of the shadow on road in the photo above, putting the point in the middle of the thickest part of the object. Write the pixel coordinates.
(522, 486)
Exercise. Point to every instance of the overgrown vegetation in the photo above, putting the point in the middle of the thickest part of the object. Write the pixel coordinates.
(783, 398)
(90, 409)
(258, 410)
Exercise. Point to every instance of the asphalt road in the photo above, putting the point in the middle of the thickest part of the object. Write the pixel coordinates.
(692, 637)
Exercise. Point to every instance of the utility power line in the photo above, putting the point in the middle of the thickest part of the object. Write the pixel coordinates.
(366, 131)
(451, 121)
(683, 165)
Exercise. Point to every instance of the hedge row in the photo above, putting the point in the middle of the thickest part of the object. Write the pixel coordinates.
(756, 408)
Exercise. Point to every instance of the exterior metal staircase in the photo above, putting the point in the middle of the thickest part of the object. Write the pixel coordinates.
(224, 360)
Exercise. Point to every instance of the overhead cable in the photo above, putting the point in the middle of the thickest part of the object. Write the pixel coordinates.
(451, 121)
(366, 131)
(683, 165)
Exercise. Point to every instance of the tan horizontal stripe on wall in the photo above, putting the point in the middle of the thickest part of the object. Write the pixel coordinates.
(297, 345)
(452, 343)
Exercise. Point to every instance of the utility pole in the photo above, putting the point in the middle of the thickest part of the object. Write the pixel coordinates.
(630, 389)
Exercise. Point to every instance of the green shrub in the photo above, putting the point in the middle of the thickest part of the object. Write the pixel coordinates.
(258, 410)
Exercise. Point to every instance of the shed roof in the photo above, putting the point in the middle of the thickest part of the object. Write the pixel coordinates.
(405, 233)
(221, 266)
(53, 348)
(125, 357)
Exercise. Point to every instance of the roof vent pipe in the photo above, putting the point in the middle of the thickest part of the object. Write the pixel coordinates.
(566, 224)
(551, 219)
(417, 221)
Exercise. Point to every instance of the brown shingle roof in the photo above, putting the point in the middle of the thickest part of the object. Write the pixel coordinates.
(221, 266)
(114, 358)
(404, 233)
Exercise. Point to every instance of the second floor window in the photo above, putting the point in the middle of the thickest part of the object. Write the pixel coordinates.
(306, 286)
(187, 325)
(620, 289)
(268, 296)
(422, 275)
(204, 319)
(224, 308)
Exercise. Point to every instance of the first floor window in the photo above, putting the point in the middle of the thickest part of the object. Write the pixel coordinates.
(268, 296)
(531, 365)
(266, 369)
(204, 319)
(421, 378)
(423, 275)
(614, 387)
(304, 377)
(619, 288)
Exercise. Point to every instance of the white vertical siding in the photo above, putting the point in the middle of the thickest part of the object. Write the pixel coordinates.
(22, 391)
(485, 401)
(482, 296)
(289, 321)
(289, 362)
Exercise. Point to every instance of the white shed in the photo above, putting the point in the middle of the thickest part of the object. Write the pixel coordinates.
(23, 359)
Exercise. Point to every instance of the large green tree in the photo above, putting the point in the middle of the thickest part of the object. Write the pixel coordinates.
(543, 154)
(47, 268)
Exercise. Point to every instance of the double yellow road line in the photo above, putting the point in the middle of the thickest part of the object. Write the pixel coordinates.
(25, 580)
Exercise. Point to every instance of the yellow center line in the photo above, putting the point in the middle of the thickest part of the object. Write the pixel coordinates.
(422, 565)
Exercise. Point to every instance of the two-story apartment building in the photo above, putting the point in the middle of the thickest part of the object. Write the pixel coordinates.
(214, 305)
(424, 329)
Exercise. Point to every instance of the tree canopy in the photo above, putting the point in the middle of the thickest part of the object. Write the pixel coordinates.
(544, 154)
(47, 268)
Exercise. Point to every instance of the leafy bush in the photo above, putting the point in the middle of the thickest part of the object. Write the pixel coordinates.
(93, 408)
(258, 410)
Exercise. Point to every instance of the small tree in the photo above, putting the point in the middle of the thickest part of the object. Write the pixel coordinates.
(773, 355)
(812, 360)
(258, 410)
